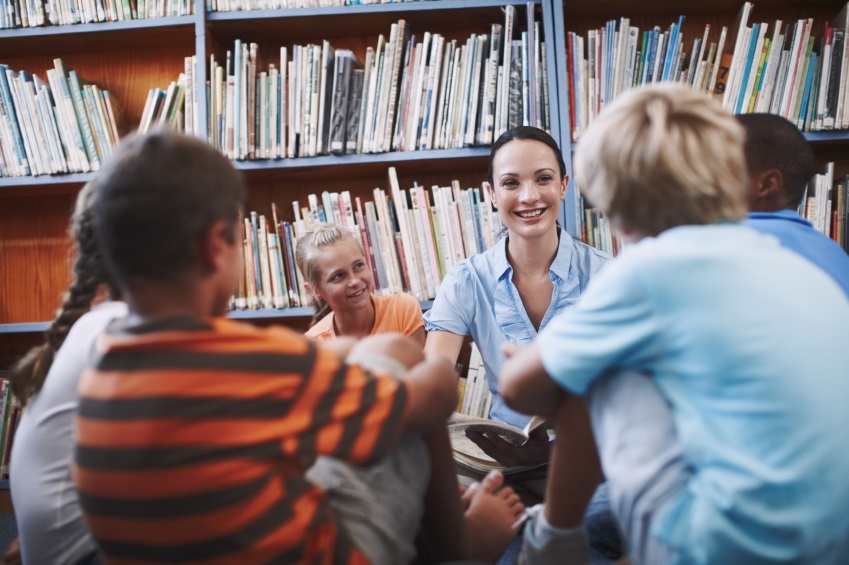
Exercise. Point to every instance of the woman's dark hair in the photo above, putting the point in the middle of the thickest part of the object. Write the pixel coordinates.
(523, 133)
(28, 374)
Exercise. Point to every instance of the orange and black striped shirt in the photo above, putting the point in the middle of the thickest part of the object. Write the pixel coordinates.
(194, 437)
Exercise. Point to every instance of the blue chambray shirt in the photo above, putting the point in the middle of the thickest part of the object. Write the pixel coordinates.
(477, 297)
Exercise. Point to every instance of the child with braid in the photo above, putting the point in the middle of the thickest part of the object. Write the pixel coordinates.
(50, 523)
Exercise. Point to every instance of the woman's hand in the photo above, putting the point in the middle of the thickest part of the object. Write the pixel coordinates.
(534, 451)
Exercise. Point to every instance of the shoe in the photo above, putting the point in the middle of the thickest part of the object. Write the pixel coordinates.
(544, 544)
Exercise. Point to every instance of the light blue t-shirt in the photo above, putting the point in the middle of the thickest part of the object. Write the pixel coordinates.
(747, 341)
(478, 298)
(798, 234)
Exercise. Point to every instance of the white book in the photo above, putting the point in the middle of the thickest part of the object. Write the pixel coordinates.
(376, 91)
(801, 74)
(384, 119)
(503, 103)
(780, 81)
(771, 71)
(475, 91)
(382, 110)
(328, 59)
(740, 48)
(407, 236)
(795, 63)
(432, 89)
(658, 57)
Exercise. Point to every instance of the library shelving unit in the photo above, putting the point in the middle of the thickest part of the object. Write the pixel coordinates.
(578, 16)
(129, 58)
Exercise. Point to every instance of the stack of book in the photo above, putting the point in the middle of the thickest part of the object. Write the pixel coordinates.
(59, 126)
(475, 399)
(411, 240)
(594, 229)
(824, 205)
(616, 58)
(781, 69)
(237, 5)
(35, 13)
(174, 107)
(411, 93)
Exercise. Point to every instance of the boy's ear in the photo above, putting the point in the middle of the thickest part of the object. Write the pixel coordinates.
(771, 184)
(216, 246)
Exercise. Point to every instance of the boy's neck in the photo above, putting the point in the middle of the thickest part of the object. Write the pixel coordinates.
(155, 301)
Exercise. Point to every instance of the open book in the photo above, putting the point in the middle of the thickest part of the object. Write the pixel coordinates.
(469, 455)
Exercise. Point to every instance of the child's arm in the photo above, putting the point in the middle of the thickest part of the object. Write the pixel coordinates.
(525, 385)
(431, 387)
(446, 344)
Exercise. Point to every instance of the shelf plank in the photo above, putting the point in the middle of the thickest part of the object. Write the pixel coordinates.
(363, 159)
(82, 38)
(307, 164)
(295, 25)
(672, 8)
(244, 315)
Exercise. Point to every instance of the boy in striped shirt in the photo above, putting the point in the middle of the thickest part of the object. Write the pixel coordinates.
(195, 433)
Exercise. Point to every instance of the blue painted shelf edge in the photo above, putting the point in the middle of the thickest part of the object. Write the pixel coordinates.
(398, 7)
(265, 313)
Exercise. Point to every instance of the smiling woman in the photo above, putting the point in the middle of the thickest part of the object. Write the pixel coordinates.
(337, 276)
(505, 296)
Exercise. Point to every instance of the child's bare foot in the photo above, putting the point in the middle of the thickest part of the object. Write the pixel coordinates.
(491, 511)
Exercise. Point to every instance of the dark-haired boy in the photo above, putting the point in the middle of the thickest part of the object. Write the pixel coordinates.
(195, 433)
(781, 162)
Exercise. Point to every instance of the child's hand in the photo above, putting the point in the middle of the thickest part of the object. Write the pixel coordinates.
(509, 349)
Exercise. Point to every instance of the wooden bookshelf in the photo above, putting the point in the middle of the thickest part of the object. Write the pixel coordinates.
(130, 57)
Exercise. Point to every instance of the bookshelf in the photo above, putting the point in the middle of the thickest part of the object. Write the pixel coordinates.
(128, 58)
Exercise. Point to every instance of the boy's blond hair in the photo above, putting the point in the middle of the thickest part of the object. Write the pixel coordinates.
(664, 156)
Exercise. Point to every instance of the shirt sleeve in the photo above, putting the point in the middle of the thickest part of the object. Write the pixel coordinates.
(452, 308)
(613, 325)
(409, 313)
(355, 414)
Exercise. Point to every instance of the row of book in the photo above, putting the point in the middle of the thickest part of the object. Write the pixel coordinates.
(594, 229)
(36, 13)
(784, 71)
(412, 93)
(787, 71)
(175, 106)
(412, 238)
(10, 417)
(474, 397)
(240, 5)
(59, 126)
(825, 205)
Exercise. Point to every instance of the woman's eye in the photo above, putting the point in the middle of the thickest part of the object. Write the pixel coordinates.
(545, 178)
(358, 266)
(509, 183)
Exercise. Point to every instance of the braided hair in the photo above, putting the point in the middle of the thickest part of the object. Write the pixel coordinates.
(28, 374)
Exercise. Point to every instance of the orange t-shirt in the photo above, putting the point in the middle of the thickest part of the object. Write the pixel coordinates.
(400, 313)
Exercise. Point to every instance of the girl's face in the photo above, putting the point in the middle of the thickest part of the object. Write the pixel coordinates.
(527, 187)
(345, 281)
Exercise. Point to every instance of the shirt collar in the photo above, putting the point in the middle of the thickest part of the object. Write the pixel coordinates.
(560, 267)
(784, 214)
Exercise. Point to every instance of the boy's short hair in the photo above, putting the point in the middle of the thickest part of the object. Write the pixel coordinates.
(773, 142)
(664, 156)
(154, 198)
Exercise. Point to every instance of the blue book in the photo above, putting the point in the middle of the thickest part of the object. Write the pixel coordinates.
(812, 70)
(257, 272)
(12, 118)
(674, 37)
(655, 39)
(750, 55)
